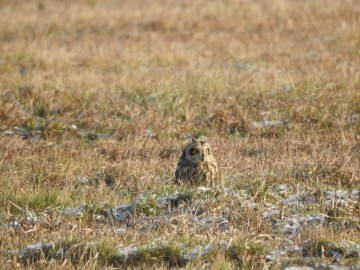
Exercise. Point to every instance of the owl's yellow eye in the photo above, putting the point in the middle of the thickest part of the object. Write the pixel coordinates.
(194, 152)
(207, 151)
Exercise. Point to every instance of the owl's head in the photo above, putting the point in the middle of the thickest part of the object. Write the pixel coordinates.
(198, 151)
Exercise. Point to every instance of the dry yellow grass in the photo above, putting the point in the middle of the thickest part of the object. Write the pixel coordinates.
(113, 87)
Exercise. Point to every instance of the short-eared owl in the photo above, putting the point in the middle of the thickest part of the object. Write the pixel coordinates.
(197, 165)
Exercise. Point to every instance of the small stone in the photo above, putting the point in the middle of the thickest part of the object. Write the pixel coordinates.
(32, 252)
(173, 200)
(279, 189)
(205, 222)
(282, 188)
(150, 133)
(186, 136)
(204, 189)
(291, 229)
(122, 212)
(299, 200)
(231, 192)
(14, 224)
(224, 224)
(271, 213)
(128, 251)
(352, 119)
(29, 134)
(337, 267)
(275, 254)
(9, 132)
(83, 179)
(202, 139)
(76, 212)
(294, 223)
(338, 194)
(355, 194)
(277, 123)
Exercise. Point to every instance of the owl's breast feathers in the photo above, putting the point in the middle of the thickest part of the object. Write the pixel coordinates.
(202, 173)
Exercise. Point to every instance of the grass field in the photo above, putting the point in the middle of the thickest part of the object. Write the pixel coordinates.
(97, 99)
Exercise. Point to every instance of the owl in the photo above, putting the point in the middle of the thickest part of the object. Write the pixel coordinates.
(197, 165)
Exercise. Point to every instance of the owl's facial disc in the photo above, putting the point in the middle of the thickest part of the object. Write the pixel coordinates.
(198, 154)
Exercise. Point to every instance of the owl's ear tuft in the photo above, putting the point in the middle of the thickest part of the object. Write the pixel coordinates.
(194, 140)
(202, 139)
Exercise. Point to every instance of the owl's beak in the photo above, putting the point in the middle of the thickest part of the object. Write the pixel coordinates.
(202, 157)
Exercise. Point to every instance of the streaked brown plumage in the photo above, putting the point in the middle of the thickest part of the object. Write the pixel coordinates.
(197, 165)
